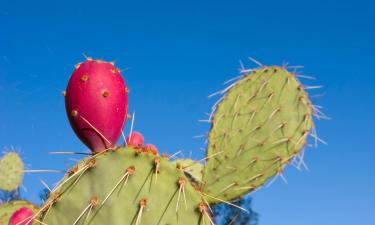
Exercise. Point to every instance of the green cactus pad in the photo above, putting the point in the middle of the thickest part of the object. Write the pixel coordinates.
(123, 187)
(259, 126)
(11, 174)
(7, 209)
(192, 168)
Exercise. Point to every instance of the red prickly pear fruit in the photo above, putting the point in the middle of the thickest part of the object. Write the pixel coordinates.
(135, 139)
(22, 216)
(150, 148)
(96, 102)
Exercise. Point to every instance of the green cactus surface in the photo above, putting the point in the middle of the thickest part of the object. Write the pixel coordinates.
(11, 167)
(125, 187)
(258, 127)
(7, 209)
(192, 169)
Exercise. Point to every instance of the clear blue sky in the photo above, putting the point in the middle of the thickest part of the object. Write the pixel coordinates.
(178, 52)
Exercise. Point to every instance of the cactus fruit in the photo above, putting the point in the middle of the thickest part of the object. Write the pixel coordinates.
(135, 139)
(21, 217)
(8, 209)
(259, 126)
(96, 102)
(11, 167)
(125, 186)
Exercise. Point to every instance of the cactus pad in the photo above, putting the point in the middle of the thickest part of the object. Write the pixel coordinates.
(7, 209)
(11, 174)
(259, 126)
(125, 187)
(192, 169)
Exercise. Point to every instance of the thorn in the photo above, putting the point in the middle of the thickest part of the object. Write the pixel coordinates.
(233, 79)
(203, 210)
(142, 205)
(69, 153)
(255, 61)
(181, 189)
(93, 203)
(45, 185)
(226, 202)
(123, 136)
(130, 171)
(206, 158)
(43, 171)
(132, 125)
(96, 130)
(306, 77)
(313, 87)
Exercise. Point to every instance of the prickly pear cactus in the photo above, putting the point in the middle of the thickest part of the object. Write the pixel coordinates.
(11, 167)
(259, 126)
(125, 186)
(7, 209)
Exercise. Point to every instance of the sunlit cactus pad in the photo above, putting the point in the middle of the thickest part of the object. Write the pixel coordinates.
(11, 167)
(192, 169)
(7, 209)
(260, 125)
(125, 187)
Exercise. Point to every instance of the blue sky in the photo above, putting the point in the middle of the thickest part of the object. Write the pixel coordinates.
(179, 52)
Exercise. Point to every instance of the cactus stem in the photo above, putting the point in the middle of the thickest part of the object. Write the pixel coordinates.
(130, 171)
(96, 130)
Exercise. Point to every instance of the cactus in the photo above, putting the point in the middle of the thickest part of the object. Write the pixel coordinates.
(125, 186)
(259, 126)
(8, 209)
(192, 169)
(96, 102)
(11, 167)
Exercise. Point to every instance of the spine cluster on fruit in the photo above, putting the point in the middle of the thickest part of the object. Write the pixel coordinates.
(260, 125)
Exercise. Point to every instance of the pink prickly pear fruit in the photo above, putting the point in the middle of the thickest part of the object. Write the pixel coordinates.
(22, 216)
(135, 139)
(96, 102)
(150, 148)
